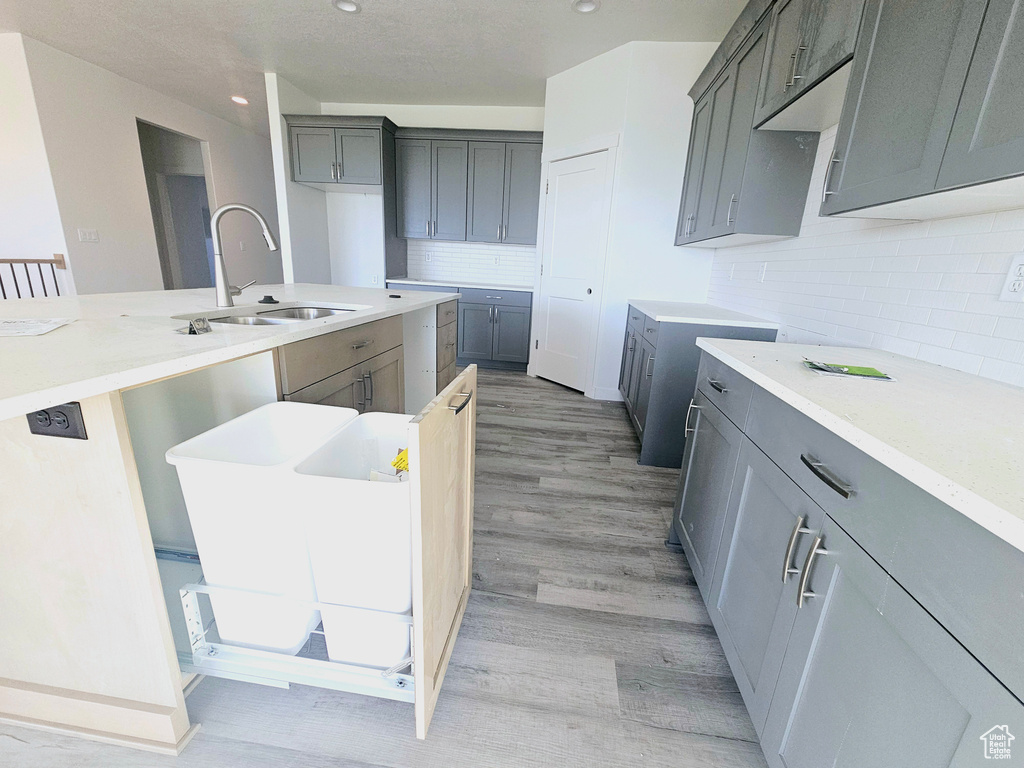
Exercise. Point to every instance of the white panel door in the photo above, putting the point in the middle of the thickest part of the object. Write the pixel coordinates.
(572, 268)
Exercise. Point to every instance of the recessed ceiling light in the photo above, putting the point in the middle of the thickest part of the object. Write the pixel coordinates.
(347, 6)
(240, 100)
(585, 6)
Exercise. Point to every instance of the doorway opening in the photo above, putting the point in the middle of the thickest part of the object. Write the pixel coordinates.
(176, 180)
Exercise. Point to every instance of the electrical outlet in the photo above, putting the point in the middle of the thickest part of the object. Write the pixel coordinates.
(374, 279)
(426, 256)
(88, 236)
(496, 259)
(1013, 287)
(59, 421)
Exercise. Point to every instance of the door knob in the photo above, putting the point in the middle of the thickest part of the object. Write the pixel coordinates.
(589, 291)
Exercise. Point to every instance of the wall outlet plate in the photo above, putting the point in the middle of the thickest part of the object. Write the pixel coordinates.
(1013, 286)
(59, 421)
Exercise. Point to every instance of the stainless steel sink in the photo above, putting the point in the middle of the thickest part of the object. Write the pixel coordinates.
(253, 320)
(302, 313)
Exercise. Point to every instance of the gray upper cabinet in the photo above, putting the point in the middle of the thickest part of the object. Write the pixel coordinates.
(987, 139)
(358, 155)
(522, 193)
(511, 334)
(413, 182)
(768, 532)
(336, 155)
(712, 450)
(908, 73)
(449, 171)
(486, 191)
(314, 155)
(808, 40)
(866, 667)
(741, 185)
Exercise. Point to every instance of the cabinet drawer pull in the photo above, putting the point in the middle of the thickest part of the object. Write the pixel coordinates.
(717, 386)
(805, 574)
(827, 476)
(800, 528)
(647, 368)
(687, 429)
(361, 344)
(494, 297)
(458, 408)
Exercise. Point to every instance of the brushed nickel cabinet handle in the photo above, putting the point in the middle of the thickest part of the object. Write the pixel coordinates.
(494, 297)
(490, 314)
(796, 64)
(428, 228)
(805, 574)
(827, 476)
(497, 314)
(800, 528)
(647, 368)
(825, 192)
(717, 386)
(458, 408)
(728, 216)
(504, 233)
(369, 390)
(687, 429)
(361, 344)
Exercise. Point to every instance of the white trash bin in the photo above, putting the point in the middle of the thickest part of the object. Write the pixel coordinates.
(360, 541)
(238, 485)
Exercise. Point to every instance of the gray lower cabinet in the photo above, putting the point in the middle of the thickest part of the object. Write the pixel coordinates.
(336, 155)
(767, 534)
(742, 184)
(657, 376)
(511, 334)
(866, 666)
(908, 74)
(504, 192)
(476, 331)
(494, 335)
(431, 180)
(808, 40)
(712, 450)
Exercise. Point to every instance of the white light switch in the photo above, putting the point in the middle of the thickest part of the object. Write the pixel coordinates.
(88, 235)
(1013, 286)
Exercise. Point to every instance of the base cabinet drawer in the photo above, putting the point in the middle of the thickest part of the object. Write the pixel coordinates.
(447, 340)
(727, 389)
(448, 312)
(445, 377)
(377, 385)
(870, 679)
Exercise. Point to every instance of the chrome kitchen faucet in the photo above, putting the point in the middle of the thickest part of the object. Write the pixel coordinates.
(220, 274)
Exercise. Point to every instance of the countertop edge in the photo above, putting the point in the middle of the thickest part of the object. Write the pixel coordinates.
(993, 518)
(738, 319)
(458, 284)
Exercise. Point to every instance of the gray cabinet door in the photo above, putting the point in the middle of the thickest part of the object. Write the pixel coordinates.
(645, 372)
(476, 331)
(486, 192)
(522, 193)
(712, 450)
(751, 606)
(384, 383)
(449, 170)
(313, 154)
(784, 46)
(871, 679)
(695, 157)
(511, 334)
(987, 140)
(413, 182)
(721, 95)
(358, 151)
(634, 376)
(746, 74)
(626, 366)
(908, 73)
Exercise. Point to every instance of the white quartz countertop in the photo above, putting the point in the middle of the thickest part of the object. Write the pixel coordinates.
(461, 284)
(120, 340)
(956, 436)
(697, 314)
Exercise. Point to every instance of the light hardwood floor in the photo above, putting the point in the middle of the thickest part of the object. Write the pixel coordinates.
(585, 643)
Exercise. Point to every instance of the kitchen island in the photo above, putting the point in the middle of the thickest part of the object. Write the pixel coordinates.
(87, 645)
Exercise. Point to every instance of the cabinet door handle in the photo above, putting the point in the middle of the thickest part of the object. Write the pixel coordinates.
(497, 314)
(800, 528)
(361, 344)
(827, 476)
(434, 233)
(458, 408)
(498, 236)
(490, 314)
(504, 233)
(796, 64)
(369, 391)
(333, 166)
(647, 367)
(632, 343)
(717, 386)
(728, 216)
(805, 574)
(689, 225)
(427, 227)
(687, 429)
(361, 404)
(825, 192)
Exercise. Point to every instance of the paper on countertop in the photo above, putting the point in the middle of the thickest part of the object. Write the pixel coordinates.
(31, 327)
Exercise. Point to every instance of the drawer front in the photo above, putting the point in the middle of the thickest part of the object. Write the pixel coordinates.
(445, 377)
(955, 568)
(312, 360)
(447, 312)
(447, 339)
(651, 331)
(635, 320)
(497, 297)
(726, 388)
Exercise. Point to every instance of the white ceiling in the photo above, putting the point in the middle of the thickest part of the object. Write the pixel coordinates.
(481, 52)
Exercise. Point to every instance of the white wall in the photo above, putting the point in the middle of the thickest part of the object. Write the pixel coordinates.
(88, 120)
(925, 289)
(29, 217)
(637, 91)
(302, 210)
(355, 226)
(447, 116)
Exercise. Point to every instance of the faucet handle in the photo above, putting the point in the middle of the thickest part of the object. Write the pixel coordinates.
(237, 290)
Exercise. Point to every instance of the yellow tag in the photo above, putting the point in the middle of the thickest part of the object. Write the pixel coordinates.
(401, 461)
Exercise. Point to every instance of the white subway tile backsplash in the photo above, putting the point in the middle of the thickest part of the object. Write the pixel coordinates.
(926, 289)
(472, 262)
